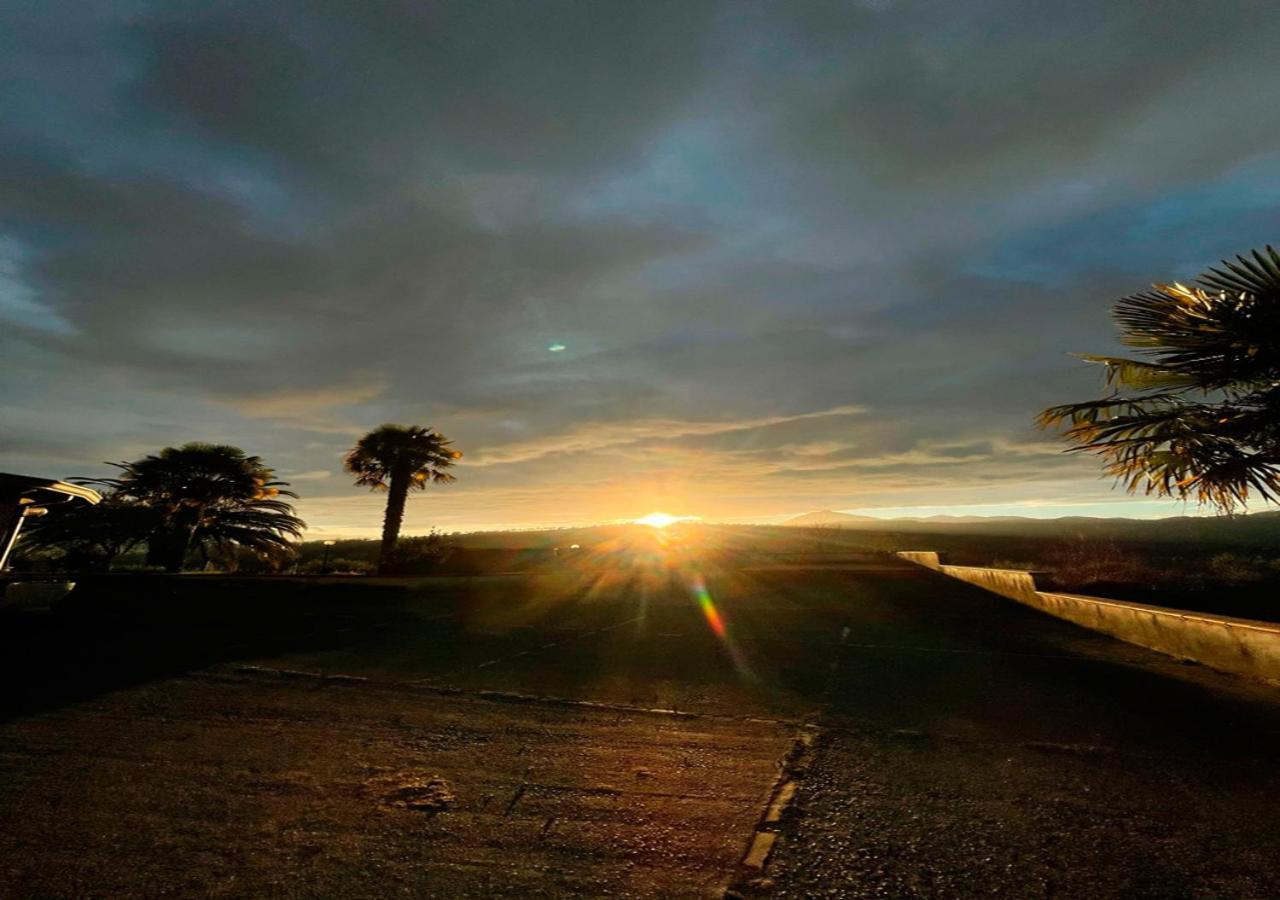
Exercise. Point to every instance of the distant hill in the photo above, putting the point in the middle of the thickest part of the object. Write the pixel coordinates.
(828, 517)
(1262, 527)
(1260, 532)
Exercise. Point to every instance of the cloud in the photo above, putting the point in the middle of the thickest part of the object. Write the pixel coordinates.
(601, 437)
(18, 303)
(317, 475)
(359, 91)
(292, 404)
(282, 225)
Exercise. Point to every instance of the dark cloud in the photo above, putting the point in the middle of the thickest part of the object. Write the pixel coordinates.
(278, 224)
(370, 89)
(927, 93)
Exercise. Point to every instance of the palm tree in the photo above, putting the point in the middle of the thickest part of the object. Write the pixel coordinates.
(1199, 416)
(204, 495)
(398, 459)
(264, 526)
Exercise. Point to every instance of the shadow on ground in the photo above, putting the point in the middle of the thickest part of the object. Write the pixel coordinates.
(113, 631)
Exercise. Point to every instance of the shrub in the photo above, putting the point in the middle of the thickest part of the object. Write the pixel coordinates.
(1096, 561)
(341, 566)
(1233, 568)
(417, 555)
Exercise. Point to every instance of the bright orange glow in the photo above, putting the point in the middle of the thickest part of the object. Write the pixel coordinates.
(662, 520)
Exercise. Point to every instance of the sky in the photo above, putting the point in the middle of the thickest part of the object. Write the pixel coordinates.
(739, 260)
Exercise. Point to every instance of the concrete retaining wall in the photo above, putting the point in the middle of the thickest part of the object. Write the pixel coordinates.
(1012, 583)
(1241, 646)
(926, 558)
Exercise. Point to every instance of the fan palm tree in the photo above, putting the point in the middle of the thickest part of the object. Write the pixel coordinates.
(398, 459)
(264, 526)
(1198, 416)
(207, 494)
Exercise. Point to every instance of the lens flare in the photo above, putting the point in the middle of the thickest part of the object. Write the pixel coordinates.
(708, 607)
(718, 626)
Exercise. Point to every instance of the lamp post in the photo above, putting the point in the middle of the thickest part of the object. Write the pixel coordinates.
(23, 497)
(324, 564)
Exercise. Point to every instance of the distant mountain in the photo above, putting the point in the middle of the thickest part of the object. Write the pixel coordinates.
(830, 517)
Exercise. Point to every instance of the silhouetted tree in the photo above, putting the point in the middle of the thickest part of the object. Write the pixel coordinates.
(91, 537)
(398, 459)
(207, 495)
(256, 527)
(1199, 416)
(416, 555)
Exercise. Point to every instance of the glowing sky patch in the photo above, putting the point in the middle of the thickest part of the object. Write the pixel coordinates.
(662, 520)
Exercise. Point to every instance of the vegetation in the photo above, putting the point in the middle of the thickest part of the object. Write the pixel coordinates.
(416, 555)
(340, 566)
(1199, 416)
(225, 505)
(398, 459)
(207, 498)
(91, 538)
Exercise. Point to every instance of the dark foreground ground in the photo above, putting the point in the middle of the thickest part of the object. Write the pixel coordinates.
(861, 729)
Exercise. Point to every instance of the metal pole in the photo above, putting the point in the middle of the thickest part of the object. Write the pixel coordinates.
(9, 536)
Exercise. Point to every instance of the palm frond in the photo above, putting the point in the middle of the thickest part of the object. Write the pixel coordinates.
(1203, 419)
(1259, 276)
(1122, 372)
(417, 453)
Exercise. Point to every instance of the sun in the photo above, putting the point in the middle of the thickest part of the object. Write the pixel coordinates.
(661, 519)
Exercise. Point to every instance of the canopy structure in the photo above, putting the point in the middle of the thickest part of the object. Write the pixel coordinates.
(22, 496)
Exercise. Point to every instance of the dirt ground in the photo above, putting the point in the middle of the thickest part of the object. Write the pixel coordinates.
(850, 728)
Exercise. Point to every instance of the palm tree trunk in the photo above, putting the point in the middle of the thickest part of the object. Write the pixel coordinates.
(397, 494)
(177, 539)
(169, 549)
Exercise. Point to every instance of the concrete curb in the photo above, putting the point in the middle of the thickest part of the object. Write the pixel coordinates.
(751, 879)
(1239, 646)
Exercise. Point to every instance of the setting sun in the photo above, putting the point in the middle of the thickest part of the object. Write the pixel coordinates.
(662, 520)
